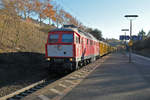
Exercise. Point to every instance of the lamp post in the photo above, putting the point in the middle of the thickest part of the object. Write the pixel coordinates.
(130, 18)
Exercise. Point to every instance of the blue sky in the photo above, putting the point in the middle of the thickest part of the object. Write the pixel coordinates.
(108, 15)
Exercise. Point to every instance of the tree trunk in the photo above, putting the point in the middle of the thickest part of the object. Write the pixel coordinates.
(49, 21)
(25, 16)
(40, 21)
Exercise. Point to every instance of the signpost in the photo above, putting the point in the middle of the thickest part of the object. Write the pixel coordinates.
(127, 37)
(130, 17)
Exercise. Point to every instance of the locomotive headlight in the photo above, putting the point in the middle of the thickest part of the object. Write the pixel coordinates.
(70, 59)
(48, 59)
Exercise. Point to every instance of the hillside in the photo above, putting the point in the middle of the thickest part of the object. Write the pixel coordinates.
(19, 35)
(22, 48)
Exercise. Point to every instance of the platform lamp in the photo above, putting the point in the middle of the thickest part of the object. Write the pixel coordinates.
(130, 17)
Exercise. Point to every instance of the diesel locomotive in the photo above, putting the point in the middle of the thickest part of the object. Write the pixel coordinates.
(68, 48)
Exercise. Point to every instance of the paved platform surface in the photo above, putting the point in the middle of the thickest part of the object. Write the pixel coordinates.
(115, 79)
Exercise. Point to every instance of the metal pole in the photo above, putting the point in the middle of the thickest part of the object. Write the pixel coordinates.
(125, 38)
(130, 49)
(125, 42)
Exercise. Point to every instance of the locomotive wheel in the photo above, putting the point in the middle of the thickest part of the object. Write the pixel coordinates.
(80, 64)
(88, 61)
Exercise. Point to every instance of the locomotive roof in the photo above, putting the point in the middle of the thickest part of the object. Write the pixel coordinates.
(75, 30)
(61, 29)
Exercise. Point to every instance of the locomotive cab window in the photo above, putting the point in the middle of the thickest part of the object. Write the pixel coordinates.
(67, 38)
(53, 38)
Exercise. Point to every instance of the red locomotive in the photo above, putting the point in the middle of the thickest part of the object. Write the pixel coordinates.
(68, 48)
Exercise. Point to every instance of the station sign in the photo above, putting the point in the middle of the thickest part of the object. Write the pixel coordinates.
(127, 37)
(123, 37)
(134, 37)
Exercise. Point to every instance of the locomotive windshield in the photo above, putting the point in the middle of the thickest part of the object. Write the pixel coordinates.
(67, 38)
(53, 38)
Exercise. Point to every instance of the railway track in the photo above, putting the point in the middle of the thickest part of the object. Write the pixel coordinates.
(28, 90)
(73, 79)
(31, 88)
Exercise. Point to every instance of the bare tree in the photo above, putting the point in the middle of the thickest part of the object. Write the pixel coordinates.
(49, 12)
(39, 8)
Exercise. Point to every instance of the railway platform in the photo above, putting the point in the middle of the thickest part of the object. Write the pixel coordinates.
(116, 79)
(109, 78)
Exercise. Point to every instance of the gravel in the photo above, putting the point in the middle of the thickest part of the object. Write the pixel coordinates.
(14, 77)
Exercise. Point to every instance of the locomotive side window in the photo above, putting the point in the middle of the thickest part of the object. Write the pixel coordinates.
(67, 38)
(53, 38)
